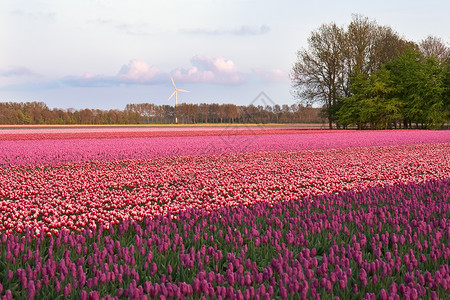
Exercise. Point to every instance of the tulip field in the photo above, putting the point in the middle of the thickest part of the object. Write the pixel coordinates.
(224, 213)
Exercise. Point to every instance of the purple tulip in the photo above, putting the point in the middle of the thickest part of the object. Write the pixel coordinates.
(153, 269)
(363, 277)
(374, 279)
(94, 295)
(67, 290)
(84, 295)
(31, 289)
(8, 295)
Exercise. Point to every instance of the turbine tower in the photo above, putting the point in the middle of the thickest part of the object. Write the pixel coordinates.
(175, 92)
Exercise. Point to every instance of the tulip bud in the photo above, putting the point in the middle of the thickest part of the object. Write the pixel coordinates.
(374, 279)
(94, 295)
(31, 289)
(342, 284)
(67, 290)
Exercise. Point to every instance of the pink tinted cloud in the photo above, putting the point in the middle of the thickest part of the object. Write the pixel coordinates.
(138, 71)
(207, 69)
(203, 69)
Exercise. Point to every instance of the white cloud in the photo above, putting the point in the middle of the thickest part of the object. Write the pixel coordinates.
(244, 30)
(36, 15)
(134, 29)
(16, 71)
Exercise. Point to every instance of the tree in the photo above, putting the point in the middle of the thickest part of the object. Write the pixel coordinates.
(231, 112)
(408, 87)
(388, 45)
(350, 112)
(420, 85)
(446, 92)
(434, 47)
(368, 46)
(318, 74)
(335, 56)
(360, 44)
(372, 102)
(381, 108)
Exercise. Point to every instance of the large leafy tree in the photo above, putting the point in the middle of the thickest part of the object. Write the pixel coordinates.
(323, 73)
(350, 112)
(318, 74)
(381, 108)
(446, 93)
(420, 86)
(410, 87)
(372, 102)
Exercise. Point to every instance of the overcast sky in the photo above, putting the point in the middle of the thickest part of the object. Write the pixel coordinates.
(105, 54)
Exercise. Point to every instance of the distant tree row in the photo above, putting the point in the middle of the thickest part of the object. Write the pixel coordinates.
(226, 113)
(13, 113)
(35, 113)
(367, 76)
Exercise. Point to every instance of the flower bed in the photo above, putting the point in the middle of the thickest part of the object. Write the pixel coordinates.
(225, 215)
(76, 195)
(378, 243)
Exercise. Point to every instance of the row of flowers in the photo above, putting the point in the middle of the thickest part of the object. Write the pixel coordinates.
(79, 129)
(390, 242)
(109, 134)
(83, 194)
(47, 150)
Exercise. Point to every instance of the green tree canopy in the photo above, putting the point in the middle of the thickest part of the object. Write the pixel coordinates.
(420, 86)
(411, 88)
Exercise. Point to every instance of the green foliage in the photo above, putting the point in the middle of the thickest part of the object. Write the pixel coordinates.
(446, 83)
(420, 87)
(350, 112)
(371, 102)
(408, 88)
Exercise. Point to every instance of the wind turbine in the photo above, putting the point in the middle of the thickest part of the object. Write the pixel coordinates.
(176, 96)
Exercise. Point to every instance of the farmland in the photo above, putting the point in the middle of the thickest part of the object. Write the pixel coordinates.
(224, 213)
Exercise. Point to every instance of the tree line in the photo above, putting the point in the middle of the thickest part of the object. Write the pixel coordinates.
(366, 75)
(37, 113)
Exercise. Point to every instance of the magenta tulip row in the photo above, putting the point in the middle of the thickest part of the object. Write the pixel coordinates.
(49, 151)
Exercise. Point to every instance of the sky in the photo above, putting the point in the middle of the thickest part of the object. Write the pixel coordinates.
(107, 53)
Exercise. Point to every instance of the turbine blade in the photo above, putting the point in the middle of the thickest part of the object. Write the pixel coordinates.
(171, 95)
(184, 91)
(173, 83)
